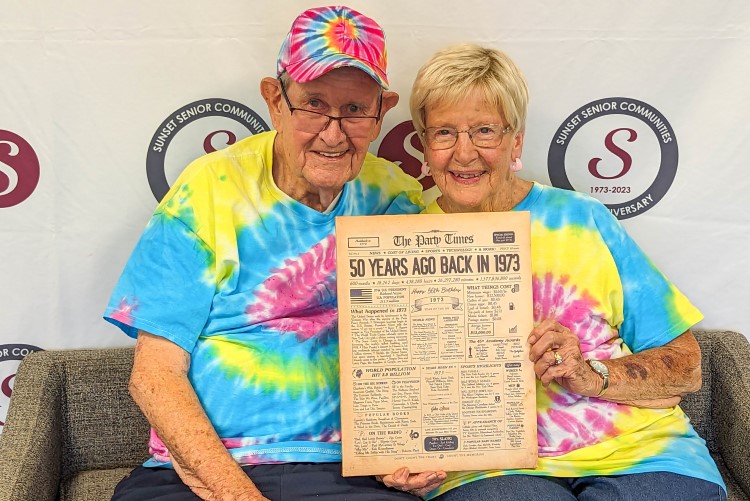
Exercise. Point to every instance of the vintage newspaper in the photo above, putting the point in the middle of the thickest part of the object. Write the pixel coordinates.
(434, 312)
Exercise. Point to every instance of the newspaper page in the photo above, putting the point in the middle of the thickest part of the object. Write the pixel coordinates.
(434, 312)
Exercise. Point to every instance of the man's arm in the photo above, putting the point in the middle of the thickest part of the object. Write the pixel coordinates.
(160, 387)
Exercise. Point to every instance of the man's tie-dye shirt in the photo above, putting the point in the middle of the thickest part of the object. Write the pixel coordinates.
(595, 280)
(242, 277)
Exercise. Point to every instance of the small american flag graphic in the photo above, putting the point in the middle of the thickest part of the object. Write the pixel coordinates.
(361, 296)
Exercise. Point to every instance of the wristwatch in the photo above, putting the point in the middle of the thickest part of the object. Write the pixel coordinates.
(603, 371)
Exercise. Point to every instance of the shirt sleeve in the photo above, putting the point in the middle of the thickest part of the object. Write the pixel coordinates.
(166, 288)
(655, 311)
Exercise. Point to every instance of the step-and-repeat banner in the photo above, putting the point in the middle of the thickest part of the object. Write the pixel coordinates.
(643, 105)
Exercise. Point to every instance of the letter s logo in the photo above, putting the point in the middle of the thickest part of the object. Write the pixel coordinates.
(208, 146)
(19, 169)
(9, 171)
(402, 147)
(5, 387)
(409, 149)
(627, 160)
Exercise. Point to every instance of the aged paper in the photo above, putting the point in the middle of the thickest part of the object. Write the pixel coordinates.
(434, 312)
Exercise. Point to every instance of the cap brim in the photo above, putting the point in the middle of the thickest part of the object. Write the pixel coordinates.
(309, 69)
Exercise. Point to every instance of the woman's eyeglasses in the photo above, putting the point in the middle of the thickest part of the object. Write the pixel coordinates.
(482, 136)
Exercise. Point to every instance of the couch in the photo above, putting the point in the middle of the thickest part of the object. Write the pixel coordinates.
(72, 432)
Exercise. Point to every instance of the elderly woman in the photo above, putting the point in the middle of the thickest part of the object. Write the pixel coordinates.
(611, 347)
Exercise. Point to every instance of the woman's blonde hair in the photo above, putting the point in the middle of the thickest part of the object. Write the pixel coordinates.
(452, 73)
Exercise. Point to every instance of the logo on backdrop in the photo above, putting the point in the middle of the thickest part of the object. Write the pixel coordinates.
(620, 150)
(19, 169)
(204, 127)
(10, 355)
(402, 147)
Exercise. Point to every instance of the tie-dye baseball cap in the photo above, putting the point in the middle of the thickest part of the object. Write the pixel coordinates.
(324, 38)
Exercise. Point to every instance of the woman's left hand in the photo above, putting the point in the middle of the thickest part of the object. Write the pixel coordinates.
(556, 354)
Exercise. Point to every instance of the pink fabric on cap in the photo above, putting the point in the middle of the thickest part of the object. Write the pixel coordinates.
(324, 38)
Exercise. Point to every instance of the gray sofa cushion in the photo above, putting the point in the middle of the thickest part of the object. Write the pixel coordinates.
(92, 484)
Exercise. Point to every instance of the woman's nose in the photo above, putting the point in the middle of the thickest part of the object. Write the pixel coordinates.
(464, 149)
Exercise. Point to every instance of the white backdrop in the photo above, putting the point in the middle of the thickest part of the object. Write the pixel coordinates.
(89, 86)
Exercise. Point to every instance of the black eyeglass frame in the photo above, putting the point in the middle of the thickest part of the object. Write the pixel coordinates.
(292, 109)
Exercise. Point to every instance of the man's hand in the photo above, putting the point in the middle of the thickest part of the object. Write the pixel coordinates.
(199, 488)
(417, 484)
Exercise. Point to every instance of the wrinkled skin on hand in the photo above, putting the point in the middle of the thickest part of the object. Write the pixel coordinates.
(573, 373)
(417, 484)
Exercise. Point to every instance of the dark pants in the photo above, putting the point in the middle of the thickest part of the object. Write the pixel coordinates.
(660, 486)
(277, 482)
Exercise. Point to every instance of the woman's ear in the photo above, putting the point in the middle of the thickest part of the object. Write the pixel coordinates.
(271, 92)
(518, 144)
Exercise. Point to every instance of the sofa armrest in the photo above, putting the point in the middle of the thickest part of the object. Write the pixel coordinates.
(730, 368)
(102, 427)
(31, 441)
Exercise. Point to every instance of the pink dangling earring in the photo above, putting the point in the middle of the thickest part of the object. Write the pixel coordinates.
(426, 170)
(516, 165)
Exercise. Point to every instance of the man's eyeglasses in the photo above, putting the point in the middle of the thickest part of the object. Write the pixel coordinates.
(482, 136)
(313, 122)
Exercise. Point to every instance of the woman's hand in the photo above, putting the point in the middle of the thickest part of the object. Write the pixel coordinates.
(417, 484)
(656, 377)
(556, 354)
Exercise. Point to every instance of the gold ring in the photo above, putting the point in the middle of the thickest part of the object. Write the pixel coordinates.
(558, 357)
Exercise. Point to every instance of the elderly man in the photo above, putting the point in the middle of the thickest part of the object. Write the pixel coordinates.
(231, 289)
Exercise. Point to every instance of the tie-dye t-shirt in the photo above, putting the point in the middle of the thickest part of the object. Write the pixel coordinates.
(595, 280)
(242, 277)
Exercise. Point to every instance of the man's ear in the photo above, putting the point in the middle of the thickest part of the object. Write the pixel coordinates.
(390, 100)
(271, 92)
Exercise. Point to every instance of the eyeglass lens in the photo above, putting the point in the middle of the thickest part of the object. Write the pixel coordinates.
(314, 122)
(482, 136)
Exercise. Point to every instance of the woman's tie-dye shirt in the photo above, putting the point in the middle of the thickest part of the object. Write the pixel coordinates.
(242, 277)
(595, 280)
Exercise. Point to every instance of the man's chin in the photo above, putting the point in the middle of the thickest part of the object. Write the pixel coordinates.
(330, 178)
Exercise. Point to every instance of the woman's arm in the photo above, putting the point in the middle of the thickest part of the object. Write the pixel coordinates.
(160, 387)
(656, 377)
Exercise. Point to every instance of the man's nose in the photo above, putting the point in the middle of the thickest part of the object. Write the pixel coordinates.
(333, 133)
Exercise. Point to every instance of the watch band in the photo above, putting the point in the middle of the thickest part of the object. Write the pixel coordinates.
(603, 371)
(605, 385)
